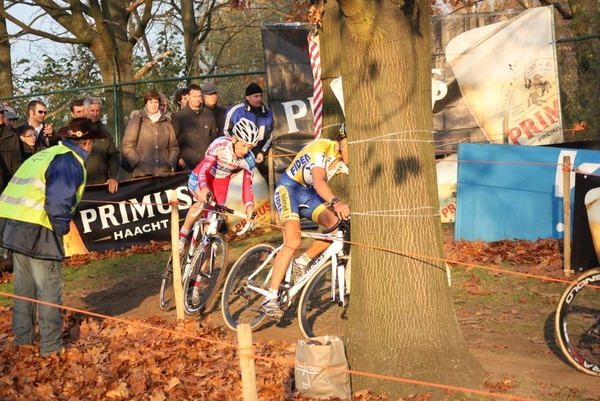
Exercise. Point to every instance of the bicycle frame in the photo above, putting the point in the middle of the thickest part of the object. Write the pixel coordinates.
(331, 253)
(212, 223)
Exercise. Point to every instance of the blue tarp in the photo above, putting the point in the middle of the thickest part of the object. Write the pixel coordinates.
(514, 192)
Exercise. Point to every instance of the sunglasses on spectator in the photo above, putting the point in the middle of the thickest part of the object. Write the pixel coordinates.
(41, 111)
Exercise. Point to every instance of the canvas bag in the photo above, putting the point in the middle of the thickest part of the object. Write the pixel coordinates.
(316, 382)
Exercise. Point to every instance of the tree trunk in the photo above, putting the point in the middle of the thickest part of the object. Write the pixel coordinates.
(333, 115)
(6, 83)
(402, 320)
(190, 36)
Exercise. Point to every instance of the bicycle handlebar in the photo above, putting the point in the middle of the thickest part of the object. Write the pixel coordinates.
(222, 208)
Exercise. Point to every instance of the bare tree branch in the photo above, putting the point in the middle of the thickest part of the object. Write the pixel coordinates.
(140, 73)
(561, 10)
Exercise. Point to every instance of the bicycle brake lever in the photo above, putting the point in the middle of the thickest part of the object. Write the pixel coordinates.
(249, 225)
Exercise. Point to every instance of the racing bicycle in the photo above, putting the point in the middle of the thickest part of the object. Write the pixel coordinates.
(577, 322)
(203, 262)
(324, 289)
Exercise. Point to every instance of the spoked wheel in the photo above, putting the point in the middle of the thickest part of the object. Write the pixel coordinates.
(209, 265)
(318, 313)
(577, 323)
(167, 291)
(239, 304)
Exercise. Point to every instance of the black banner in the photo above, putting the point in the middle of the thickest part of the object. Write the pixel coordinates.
(138, 213)
(290, 83)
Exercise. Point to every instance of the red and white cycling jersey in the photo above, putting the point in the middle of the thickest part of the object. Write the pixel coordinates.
(220, 163)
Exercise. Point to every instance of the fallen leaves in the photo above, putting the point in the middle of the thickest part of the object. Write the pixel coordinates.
(127, 361)
(502, 386)
(542, 257)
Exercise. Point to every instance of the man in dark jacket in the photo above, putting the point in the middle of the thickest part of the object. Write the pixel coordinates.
(35, 211)
(104, 163)
(195, 128)
(210, 97)
(10, 152)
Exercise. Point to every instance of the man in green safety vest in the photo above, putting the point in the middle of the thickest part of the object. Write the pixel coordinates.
(36, 209)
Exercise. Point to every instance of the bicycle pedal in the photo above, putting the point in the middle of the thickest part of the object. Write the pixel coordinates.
(167, 273)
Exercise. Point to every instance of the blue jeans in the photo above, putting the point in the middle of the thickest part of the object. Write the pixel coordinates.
(42, 280)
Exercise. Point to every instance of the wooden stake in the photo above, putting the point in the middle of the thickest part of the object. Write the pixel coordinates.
(247, 362)
(567, 215)
(177, 287)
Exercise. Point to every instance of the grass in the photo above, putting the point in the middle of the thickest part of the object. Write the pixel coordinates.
(105, 272)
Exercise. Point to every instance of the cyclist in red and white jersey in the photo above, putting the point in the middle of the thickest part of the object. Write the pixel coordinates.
(224, 157)
(303, 191)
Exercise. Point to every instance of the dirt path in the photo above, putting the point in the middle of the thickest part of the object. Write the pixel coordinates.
(533, 366)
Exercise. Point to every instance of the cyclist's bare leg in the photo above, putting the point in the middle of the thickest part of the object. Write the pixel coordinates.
(327, 218)
(292, 239)
(192, 216)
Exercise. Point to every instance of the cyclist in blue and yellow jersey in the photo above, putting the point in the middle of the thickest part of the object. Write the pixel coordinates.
(303, 191)
(36, 209)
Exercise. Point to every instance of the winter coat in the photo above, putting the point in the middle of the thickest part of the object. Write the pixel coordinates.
(105, 160)
(195, 131)
(261, 116)
(10, 155)
(35, 240)
(150, 147)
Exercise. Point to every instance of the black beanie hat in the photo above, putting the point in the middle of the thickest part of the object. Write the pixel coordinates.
(253, 88)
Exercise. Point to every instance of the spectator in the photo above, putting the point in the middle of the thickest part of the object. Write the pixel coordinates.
(10, 152)
(10, 118)
(254, 110)
(104, 162)
(210, 97)
(149, 144)
(77, 108)
(36, 117)
(27, 143)
(195, 128)
(164, 105)
(181, 97)
(34, 231)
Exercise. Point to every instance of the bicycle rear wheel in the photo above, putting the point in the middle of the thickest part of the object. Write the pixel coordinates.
(577, 323)
(238, 303)
(209, 264)
(318, 313)
(167, 291)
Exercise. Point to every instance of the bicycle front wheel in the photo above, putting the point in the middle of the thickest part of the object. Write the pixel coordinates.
(208, 270)
(239, 304)
(167, 291)
(318, 313)
(577, 323)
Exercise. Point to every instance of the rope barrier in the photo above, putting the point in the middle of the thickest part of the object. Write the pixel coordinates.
(244, 349)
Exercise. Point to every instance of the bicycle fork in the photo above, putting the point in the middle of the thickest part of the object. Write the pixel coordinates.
(338, 271)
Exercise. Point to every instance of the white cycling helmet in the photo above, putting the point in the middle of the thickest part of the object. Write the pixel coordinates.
(246, 131)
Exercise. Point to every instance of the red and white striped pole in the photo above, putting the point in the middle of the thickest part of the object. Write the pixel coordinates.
(315, 63)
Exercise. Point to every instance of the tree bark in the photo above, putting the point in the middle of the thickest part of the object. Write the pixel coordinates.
(402, 320)
(6, 82)
(333, 115)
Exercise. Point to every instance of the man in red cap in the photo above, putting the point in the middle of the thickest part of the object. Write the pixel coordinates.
(36, 209)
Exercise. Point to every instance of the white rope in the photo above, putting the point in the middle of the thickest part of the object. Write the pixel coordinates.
(393, 212)
(386, 137)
